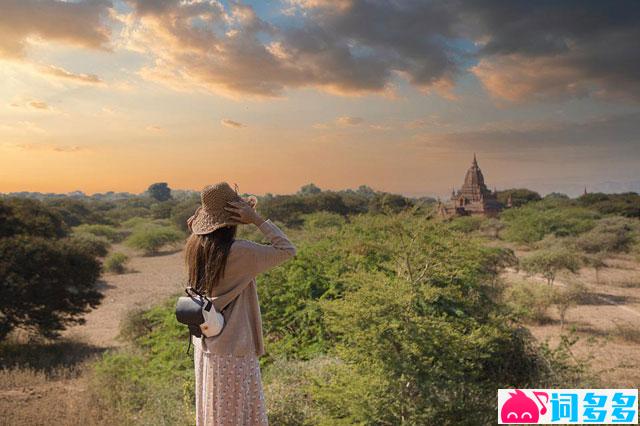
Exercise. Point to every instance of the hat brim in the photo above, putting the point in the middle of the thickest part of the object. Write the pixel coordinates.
(203, 223)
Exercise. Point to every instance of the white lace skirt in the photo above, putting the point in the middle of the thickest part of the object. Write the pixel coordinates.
(228, 390)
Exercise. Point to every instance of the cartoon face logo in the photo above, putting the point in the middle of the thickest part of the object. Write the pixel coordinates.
(519, 408)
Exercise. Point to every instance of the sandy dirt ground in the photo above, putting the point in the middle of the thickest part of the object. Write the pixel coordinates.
(150, 280)
(613, 305)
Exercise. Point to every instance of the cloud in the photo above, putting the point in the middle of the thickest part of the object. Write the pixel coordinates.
(47, 147)
(356, 47)
(231, 123)
(42, 105)
(557, 49)
(349, 121)
(154, 128)
(65, 74)
(77, 23)
(600, 131)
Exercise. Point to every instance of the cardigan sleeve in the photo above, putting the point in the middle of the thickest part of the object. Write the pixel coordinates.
(262, 257)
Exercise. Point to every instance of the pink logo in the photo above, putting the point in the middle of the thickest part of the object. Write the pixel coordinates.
(519, 408)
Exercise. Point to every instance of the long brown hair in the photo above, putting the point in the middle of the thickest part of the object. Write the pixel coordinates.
(206, 257)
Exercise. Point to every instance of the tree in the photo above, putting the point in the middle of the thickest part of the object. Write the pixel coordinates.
(566, 298)
(30, 217)
(519, 197)
(309, 189)
(45, 284)
(421, 344)
(160, 191)
(549, 262)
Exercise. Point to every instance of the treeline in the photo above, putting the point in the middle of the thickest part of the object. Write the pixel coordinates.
(160, 202)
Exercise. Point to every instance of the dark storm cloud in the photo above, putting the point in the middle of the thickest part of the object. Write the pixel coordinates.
(523, 50)
(551, 49)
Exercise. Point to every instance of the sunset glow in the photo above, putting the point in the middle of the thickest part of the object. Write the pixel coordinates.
(114, 95)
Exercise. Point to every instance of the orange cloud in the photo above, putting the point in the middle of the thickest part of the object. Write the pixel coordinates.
(349, 121)
(76, 23)
(230, 123)
(65, 74)
(516, 78)
(39, 105)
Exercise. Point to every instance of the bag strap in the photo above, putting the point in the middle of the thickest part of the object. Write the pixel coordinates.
(236, 292)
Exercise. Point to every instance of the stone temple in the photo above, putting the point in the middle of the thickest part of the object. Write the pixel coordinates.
(474, 198)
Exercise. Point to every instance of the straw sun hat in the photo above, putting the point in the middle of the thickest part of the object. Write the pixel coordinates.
(211, 215)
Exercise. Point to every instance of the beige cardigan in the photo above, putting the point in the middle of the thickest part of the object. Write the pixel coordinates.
(242, 332)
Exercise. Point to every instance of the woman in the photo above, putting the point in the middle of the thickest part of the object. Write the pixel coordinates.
(228, 380)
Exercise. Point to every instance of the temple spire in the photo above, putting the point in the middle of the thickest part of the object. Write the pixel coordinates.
(475, 161)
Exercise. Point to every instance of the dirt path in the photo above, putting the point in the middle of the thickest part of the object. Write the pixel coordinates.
(152, 280)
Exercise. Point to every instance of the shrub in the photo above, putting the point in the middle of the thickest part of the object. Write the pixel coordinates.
(534, 221)
(610, 234)
(106, 231)
(519, 197)
(150, 238)
(151, 380)
(45, 302)
(30, 217)
(90, 243)
(549, 262)
(567, 297)
(531, 301)
(183, 211)
(467, 224)
(323, 220)
(116, 262)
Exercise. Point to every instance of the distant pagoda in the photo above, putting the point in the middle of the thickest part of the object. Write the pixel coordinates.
(474, 198)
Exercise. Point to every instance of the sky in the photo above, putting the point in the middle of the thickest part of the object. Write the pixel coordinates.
(113, 95)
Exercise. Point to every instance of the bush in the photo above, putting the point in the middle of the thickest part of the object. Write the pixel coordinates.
(549, 262)
(183, 211)
(626, 204)
(151, 380)
(530, 301)
(534, 221)
(323, 220)
(90, 243)
(116, 262)
(30, 217)
(519, 197)
(106, 231)
(467, 224)
(150, 238)
(611, 234)
(46, 284)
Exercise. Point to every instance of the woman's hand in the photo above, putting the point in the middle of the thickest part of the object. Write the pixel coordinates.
(243, 213)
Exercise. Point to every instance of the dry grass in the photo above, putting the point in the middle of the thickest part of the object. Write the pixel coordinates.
(44, 383)
(606, 318)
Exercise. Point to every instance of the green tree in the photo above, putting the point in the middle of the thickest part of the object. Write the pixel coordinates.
(30, 217)
(40, 302)
(309, 189)
(549, 262)
(424, 343)
(519, 197)
(159, 191)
